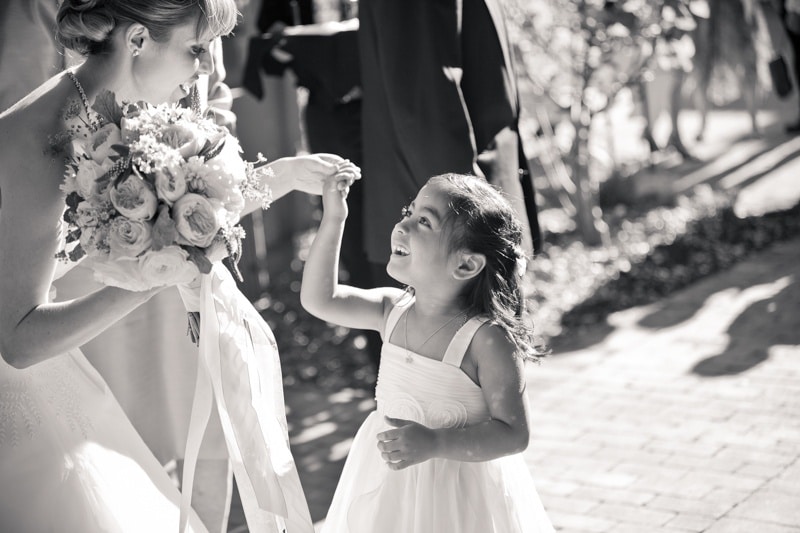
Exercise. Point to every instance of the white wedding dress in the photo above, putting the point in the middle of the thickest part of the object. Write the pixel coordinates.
(70, 460)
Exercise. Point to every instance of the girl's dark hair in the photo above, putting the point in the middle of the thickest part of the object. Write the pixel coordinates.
(86, 25)
(482, 221)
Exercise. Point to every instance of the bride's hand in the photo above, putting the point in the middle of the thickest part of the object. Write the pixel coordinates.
(308, 172)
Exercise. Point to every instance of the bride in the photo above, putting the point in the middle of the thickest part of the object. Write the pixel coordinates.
(69, 458)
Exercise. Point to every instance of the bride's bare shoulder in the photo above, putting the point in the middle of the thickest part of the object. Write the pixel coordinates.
(42, 111)
(31, 128)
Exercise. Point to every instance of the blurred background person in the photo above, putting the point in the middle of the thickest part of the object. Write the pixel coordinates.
(322, 59)
(439, 95)
(790, 14)
(671, 66)
(730, 64)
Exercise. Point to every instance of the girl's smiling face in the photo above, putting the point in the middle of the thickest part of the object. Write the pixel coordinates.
(166, 71)
(420, 253)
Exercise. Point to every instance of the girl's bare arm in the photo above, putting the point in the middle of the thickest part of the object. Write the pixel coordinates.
(321, 294)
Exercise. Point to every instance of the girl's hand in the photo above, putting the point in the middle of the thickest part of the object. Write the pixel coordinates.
(334, 193)
(309, 172)
(411, 443)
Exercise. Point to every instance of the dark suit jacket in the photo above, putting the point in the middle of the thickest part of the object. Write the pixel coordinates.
(438, 87)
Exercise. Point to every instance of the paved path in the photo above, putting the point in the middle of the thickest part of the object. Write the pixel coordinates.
(681, 416)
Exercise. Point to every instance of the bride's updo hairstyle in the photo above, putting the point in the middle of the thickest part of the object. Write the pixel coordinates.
(86, 25)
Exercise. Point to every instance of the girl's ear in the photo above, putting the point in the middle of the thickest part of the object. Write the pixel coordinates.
(469, 265)
(135, 37)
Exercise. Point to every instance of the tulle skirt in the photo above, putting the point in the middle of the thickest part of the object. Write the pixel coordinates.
(439, 495)
(70, 461)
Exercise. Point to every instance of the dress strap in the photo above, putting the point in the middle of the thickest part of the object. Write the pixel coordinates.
(394, 316)
(461, 341)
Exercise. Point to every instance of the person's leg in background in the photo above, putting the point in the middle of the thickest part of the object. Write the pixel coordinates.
(794, 40)
(789, 12)
(490, 93)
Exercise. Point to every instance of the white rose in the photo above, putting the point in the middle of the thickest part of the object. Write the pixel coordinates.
(167, 266)
(170, 183)
(129, 238)
(229, 160)
(197, 219)
(221, 178)
(184, 137)
(87, 175)
(134, 198)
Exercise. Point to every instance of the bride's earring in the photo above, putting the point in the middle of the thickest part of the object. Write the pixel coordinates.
(135, 52)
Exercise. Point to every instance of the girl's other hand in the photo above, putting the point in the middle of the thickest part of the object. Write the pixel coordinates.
(409, 444)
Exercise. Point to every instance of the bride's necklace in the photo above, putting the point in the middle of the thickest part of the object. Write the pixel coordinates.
(93, 125)
(410, 359)
(194, 97)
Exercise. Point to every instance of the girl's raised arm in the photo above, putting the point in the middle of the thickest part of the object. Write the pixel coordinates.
(321, 294)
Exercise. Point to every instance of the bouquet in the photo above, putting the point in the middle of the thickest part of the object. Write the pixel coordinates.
(154, 194)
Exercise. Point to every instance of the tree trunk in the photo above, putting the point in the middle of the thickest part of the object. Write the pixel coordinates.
(591, 227)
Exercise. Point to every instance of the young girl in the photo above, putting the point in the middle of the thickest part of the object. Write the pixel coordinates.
(442, 451)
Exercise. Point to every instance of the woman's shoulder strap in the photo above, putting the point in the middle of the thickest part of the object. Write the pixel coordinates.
(394, 316)
(461, 341)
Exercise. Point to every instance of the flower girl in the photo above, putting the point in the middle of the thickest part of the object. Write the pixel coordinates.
(442, 450)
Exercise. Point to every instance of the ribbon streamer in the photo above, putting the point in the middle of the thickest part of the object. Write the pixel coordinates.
(239, 370)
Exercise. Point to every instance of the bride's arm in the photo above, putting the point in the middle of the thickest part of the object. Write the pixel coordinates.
(31, 329)
(305, 173)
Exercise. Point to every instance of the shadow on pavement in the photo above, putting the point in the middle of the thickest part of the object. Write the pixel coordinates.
(579, 340)
(708, 175)
(680, 309)
(763, 325)
(322, 425)
(772, 288)
(686, 303)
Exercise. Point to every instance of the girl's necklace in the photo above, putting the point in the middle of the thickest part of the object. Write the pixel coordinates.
(410, 359)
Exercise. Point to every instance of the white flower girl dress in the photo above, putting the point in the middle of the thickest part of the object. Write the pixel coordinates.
(438, 495)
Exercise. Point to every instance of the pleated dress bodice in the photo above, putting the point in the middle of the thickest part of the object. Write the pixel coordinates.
(437, 394)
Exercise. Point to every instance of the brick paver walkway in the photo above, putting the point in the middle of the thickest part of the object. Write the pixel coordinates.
(680, 416)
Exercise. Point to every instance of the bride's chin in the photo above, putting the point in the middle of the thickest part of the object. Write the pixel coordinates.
(176, 96)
